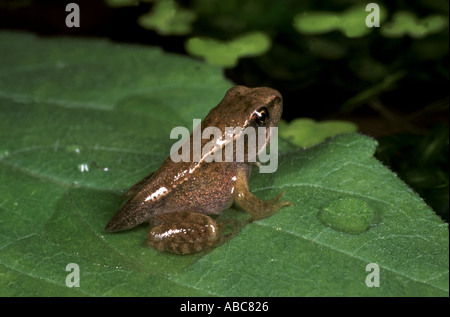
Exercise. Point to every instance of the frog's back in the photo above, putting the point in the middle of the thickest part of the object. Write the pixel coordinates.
(172, 188)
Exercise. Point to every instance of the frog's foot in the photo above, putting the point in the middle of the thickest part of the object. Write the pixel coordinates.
(259, 209)
(187, 232)
(264, 209)
(276, 201)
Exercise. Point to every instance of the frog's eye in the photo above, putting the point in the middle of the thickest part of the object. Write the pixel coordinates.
(260, 116)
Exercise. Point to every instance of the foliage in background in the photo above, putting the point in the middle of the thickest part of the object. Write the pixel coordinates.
(225, 20)
(406, 23)
(306, 132)
(227, 53)
(167, 18)
(351, 22)
(422, 163)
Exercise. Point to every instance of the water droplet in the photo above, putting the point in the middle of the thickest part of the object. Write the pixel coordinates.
(348, 214)
(83, 167)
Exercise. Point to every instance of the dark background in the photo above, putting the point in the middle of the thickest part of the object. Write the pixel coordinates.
(408, 115)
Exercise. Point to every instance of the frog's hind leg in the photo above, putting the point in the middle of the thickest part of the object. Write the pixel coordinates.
(186, 232)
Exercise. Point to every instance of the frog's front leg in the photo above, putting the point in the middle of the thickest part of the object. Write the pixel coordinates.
(187, 232)
(259, 209)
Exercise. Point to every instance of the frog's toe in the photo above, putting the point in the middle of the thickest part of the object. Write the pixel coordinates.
(276, 200)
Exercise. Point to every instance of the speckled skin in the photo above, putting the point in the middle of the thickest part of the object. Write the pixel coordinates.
(191, 190)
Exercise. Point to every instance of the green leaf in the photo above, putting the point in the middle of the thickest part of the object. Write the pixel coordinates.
(351, 22)
(227, 53)
(167, 18)
(406, 23)
(68, 104)
(306, 132)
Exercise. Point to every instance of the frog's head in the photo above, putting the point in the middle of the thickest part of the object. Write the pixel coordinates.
(244, 108)
(264, 107)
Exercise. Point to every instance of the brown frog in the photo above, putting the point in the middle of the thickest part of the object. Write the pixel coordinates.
(179, 197)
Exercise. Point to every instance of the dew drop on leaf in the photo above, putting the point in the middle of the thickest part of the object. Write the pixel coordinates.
(348, 214)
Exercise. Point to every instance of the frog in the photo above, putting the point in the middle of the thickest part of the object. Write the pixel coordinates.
(181, 199)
